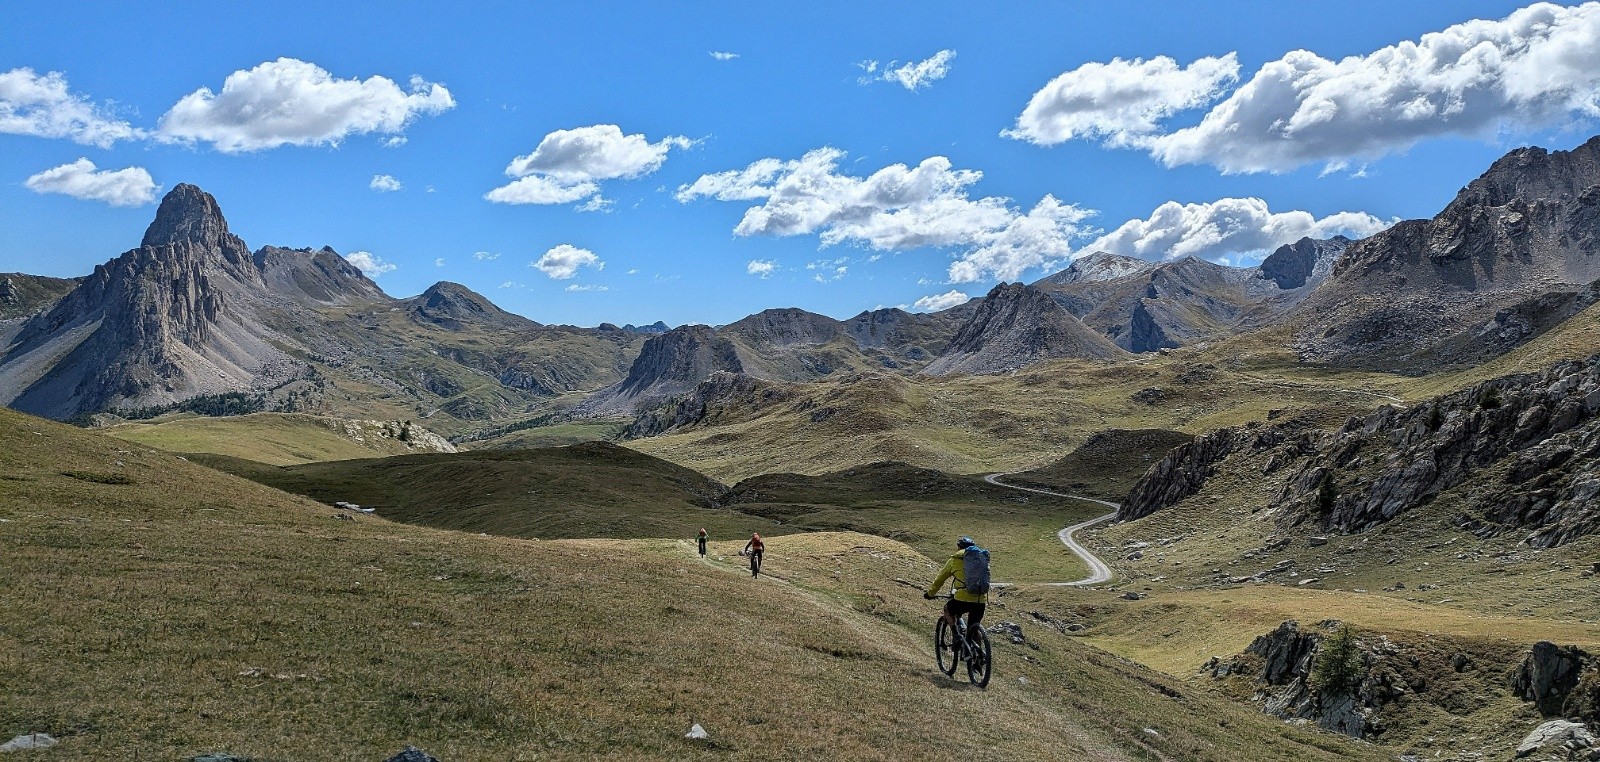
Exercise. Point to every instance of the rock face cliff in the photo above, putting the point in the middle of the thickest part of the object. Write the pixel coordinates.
(1516, 455)
(1145, 306)
(192, 313)
(168, 320)
(1017, 325)
(1516, 249)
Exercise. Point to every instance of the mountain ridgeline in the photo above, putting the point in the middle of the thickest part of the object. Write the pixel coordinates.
(193, 313)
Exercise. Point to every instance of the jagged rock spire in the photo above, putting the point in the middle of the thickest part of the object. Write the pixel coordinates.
(187, 214)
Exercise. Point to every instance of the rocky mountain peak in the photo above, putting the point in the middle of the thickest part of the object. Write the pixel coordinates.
(1304, 262)
(1016, 325)
(187, 214)
(1100, 266)
(1535, 173)
(455, 306)
(669, 364)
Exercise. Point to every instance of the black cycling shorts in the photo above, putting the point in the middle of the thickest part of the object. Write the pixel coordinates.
(974, 611)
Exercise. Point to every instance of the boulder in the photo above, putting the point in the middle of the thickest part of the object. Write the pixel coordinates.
(29, 741)
(412, 754)
(1570, 739)
(1548, 675)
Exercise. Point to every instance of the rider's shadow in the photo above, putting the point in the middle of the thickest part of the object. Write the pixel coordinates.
(940, 680)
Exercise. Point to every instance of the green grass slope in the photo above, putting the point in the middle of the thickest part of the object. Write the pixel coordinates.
(279, 439)
(156, 609)
(1107, 465)
(979, 424)
(592, 489)
(927, 510)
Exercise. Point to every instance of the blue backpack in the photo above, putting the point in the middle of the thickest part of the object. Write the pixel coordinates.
(975, 568)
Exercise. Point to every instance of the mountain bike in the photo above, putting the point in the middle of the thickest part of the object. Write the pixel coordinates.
(755, 562)
(952, 647)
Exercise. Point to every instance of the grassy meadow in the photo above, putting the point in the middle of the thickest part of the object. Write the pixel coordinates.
(157, 610)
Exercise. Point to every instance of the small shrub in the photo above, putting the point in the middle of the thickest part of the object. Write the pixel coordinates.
(1489, 399)
(85, 476)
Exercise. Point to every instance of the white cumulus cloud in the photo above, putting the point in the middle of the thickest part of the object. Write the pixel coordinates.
(1537, 67)
(123, 187)
(384, 184)
(1226, 227)
(438, 262)
(896, 208)
(568, 165)
(587, 287)
(761, 267)
(937, 302)
(485, 256)
(42, 105)
(722, 55)
(292, 102)
(912, 75)
(562, 262)
(370, 265)
(1121, 101)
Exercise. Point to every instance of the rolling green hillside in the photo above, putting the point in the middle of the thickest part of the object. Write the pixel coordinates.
(279, 439)
(158, 610)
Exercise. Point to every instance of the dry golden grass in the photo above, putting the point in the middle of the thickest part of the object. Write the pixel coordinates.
(157, 609)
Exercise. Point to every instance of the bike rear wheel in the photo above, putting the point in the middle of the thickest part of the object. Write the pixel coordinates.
(978, 661)
(942, 651)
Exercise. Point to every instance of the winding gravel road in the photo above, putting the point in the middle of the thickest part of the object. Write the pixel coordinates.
(1099, 572)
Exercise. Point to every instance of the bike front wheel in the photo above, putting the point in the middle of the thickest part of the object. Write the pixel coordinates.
(978, 659)
(942, 650)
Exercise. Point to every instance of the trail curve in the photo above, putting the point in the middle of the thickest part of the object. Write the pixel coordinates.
(1099, 572)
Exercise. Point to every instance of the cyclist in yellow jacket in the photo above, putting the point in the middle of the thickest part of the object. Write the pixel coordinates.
(961, 602)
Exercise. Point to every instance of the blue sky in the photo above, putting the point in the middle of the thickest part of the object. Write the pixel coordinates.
(624, 109)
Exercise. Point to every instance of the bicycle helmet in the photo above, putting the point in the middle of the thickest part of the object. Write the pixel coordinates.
(964, 543)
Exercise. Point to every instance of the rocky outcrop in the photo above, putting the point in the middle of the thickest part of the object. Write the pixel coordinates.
(669, 365)
(1517, 454)
(1181, 473)
(1017, 325)
(1529, 444)
(1281, 664)
(1414, 297)
(1549, 677)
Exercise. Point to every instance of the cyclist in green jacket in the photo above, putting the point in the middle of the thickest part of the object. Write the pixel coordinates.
(961, 602)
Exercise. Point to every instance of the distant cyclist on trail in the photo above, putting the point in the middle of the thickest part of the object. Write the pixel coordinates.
(965, 599)
(702, 542)
(754, 548)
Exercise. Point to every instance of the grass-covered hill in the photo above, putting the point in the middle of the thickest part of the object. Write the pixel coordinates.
(976, 424)
(592, 489)
(927, 510)
(280, 439)
(156, 609)
(1107, 465)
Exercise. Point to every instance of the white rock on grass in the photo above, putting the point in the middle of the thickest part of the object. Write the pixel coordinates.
(29, 741)
(697, 733)
(1556, 733)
